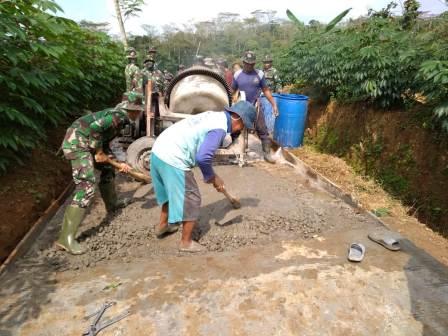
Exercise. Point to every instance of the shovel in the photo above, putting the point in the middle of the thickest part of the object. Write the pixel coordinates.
(133, 173)
(236, 204)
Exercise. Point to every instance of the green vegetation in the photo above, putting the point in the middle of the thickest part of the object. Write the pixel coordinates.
(228, 35)
(50, 68)
(381, 212)
(381, 59)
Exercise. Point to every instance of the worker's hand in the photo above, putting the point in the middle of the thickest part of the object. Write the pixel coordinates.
(100, 157)
(275, 111)
(125, 168)
(218, 183)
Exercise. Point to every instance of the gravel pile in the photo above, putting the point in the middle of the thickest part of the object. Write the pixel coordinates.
(116, 238)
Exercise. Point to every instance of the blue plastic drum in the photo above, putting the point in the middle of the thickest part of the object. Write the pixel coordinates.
(290, 124)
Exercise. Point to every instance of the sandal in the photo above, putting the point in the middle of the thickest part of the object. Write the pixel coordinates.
(384, 238)
(194, 247)
(170, 228)
(356, 252)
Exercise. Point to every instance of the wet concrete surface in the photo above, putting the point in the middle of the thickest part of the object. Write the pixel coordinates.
(279, 268)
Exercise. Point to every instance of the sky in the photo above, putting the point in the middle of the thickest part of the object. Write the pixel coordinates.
(166, 12)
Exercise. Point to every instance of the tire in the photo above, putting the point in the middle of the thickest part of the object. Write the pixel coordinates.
(138, 154)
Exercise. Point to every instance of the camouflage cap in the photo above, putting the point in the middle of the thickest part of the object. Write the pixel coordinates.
(267, 59)
(249, 57)
(134, 101)
(132, 54)
(152, 50)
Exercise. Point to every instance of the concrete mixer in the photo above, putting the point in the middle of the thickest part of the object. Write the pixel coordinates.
(193, 91)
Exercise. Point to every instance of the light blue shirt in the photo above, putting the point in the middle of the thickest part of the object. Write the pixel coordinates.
(179, 143)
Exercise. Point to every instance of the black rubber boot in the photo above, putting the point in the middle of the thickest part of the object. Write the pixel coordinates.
(72, 219)
(109, 196)
(267, 152)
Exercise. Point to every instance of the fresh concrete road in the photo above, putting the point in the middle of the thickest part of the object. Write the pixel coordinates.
(279, 268)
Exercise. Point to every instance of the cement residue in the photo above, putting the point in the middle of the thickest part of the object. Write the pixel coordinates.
(274, 209)
(294, 250)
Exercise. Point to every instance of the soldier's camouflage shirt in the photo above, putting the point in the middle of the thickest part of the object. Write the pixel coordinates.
(272, 79)
(94, 131)
(131, 72)
(157, 78)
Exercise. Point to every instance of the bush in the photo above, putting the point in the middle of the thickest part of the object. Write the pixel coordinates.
(384, 60)
(51, 68)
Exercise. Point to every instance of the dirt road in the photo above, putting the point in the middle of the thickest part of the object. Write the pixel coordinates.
(279, 269)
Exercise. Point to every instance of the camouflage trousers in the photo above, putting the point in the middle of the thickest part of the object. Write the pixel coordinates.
(83, 172)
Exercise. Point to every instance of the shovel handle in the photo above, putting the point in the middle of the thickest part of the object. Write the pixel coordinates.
(233, 200)
(135, 174)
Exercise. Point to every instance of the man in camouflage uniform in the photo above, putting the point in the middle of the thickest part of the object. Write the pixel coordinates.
(271, 75)
(152, 52)
(149, 73)
(131, 71)
(86, 145)
(168, 77)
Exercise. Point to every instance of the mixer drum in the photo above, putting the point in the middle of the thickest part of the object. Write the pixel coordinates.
(197, 90)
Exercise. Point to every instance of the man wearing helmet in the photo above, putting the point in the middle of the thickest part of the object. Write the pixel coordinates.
(149, 73)
(131, 71)
(152, 52)
(271, 74)
(86, 146)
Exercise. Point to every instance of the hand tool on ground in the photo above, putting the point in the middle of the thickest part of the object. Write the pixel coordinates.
(236, 204)
(95, 328)
(135, 174)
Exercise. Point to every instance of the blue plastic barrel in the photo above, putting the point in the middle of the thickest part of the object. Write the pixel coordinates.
(267, 111)
(290, 124)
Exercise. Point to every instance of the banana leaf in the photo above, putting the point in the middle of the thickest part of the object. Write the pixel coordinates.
(336, 20)
(294, 19)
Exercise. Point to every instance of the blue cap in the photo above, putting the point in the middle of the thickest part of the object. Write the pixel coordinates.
(246, 111)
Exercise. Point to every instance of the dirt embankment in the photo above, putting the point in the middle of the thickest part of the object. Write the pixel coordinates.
(398, 149)
(27, 191)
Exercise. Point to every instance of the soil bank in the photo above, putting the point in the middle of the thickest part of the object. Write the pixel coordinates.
(395, 147)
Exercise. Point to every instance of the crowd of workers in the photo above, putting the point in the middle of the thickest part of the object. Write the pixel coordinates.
(190, 142)
(135, 76)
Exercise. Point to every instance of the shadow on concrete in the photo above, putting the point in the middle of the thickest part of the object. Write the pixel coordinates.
(150, 203)
(428, 289)
(28, 284)
(217, 211)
